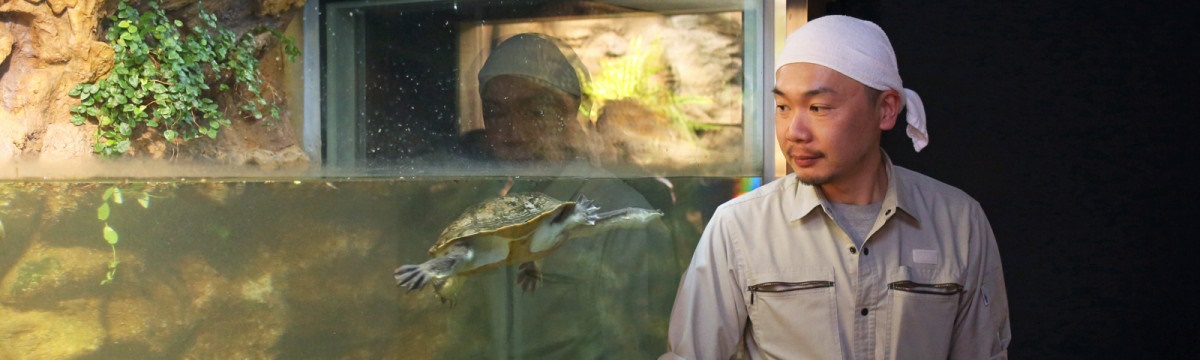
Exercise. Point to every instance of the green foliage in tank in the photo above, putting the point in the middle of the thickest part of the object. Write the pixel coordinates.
(164, 77)
(633, 76)
(114, 196)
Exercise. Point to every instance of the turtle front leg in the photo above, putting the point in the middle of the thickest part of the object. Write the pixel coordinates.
(529, 276)
(414, 277)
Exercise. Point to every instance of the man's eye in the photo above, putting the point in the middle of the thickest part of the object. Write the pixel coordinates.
(781, 108)
(818, 109)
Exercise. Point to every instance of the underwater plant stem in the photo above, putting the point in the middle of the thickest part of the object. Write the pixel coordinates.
(112, 266)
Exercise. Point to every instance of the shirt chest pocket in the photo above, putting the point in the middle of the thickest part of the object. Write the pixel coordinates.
(793, 314)
(923, 306)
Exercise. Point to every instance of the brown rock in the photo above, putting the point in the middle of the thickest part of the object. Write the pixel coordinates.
(6, 44)
(64, 141)
(72, 330)
(50, 49)
(59, 6)
(53, 45)
(276, 7)
(160, 312)
(45, 274)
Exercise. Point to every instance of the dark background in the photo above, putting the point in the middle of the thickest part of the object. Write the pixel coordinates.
(1074, 123)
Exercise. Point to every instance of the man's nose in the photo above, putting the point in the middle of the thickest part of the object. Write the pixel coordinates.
(798, 129)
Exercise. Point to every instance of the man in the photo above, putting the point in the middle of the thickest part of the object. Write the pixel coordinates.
(849, 257)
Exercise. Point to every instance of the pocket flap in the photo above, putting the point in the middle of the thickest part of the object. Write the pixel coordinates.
(902, 274)
(793, 279)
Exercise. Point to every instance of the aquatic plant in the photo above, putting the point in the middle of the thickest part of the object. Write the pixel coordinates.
(161, 78)
(110, 236)
(632, 76)
(113, 195)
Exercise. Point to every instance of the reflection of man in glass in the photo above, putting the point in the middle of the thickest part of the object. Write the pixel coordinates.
(530, 91)
(598, 297)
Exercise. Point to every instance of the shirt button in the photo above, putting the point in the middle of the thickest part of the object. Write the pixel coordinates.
(888, 212)
(864, 312)
(853, 250)
(866, 251)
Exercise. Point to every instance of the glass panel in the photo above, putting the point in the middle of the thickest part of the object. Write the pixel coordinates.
(303, 269)
(503, 87)
(279, 238)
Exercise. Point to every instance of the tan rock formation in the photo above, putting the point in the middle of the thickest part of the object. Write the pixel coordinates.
(48, 47)
(705, 53)
(276, 7)
(53, 48)
(6, 44)
(46, 274)
(71, 330)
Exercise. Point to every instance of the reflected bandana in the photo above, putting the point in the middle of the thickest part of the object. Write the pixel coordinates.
(534, 56)
(858, 49)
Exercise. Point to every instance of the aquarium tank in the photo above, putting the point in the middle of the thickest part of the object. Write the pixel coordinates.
(391, 179)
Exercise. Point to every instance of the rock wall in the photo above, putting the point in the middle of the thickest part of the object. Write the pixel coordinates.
(47, 47)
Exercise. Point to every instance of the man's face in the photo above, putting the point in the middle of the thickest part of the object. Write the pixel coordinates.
(526, 120)
(827, 124)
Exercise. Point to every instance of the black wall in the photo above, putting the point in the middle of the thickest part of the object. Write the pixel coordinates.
(1074, 123)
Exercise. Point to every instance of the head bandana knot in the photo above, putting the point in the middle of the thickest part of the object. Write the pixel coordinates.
(860, 50)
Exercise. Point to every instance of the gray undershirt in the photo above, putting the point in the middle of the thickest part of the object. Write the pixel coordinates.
(856, 220)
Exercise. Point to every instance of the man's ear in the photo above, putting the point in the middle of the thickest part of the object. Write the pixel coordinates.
(888, 108)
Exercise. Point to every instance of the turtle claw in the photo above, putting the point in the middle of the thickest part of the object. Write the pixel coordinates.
(411, 277)
(439, 287)
(529, 277)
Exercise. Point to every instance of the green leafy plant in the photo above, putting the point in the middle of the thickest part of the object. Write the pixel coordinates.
(113, 195)
(633, 77)
(163, 77)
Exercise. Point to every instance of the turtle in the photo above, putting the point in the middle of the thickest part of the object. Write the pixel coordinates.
(514, 229)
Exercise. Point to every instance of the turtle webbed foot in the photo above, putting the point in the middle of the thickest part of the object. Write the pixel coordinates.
(529, 276)
(412, 277)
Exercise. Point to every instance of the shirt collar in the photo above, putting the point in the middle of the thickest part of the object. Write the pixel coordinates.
(899, 198)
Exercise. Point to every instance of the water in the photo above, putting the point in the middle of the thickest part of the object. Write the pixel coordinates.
(295, 269)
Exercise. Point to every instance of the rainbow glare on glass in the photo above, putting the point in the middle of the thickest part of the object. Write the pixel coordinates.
(745, 185)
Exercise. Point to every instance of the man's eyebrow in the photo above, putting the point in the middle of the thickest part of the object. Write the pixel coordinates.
(820, 90)
(810, 93)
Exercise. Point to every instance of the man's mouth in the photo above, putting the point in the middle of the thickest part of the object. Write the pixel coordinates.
(804, 160)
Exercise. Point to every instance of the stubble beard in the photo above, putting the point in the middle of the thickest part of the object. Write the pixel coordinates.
(812, 180)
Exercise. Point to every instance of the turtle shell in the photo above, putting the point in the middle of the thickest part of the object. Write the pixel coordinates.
(509, 215)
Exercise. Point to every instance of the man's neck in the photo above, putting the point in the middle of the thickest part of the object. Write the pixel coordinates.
(868, 186)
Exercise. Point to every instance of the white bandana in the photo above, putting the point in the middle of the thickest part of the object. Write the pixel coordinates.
(860, 50)
(534, 56)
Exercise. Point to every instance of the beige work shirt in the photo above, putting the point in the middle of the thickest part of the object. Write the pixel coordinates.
(774, 267)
